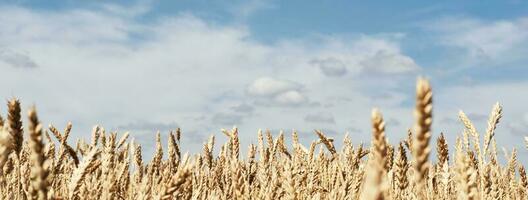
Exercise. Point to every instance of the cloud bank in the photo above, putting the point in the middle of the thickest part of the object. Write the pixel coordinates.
(107, 67)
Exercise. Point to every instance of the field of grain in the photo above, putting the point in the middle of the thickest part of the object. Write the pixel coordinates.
(39, 163)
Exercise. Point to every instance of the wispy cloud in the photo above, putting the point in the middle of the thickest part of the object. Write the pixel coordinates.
(330, 66)
(483, 39)
(17, 60)
(246, 9)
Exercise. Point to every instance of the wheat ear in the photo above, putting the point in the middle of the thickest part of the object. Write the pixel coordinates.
(39, 185)
(376, 164)
(80, 173)
(14, 122)
(423, 114)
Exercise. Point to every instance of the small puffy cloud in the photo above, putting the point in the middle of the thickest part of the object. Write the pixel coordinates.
(17, 60)
(382, 56)
(267, 86)
(385, 62)
(291, 97)
(270, 91)
(320, 117)
(331, 66)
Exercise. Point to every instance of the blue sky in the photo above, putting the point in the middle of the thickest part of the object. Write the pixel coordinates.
(142, 66)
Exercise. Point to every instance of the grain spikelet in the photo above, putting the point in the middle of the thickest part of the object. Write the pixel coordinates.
(14, 122)
(138, 160)
(400, 173)
(375, 172)
(39, 187)
(423, 114)
(80, 172)
(523, 182)
(496, 115)
(328, 143)
(474, 134)
(442, 149)
(177, 181)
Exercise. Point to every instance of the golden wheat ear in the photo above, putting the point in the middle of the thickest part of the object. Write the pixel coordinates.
(6, 143)
(442, 150)
(523, 180)
(376, 163)
(327, 142)
(424, 117)
(14, 123)
(181, 177)
(493, 121)
(378, 138)
(39, 186)
(400, 172)
(79, 173)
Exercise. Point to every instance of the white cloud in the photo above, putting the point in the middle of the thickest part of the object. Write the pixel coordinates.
(104, 67)
(331, 66)
(384, 62)
(291, 97)
(271, 91)
(267, 86)
(17, 60)
(483, 39)
(365, 54)
(20, 25)
(247, 8)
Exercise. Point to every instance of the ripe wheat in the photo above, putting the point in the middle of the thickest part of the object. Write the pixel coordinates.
(37, 166)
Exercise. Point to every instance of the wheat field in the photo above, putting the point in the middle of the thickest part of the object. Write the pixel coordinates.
(39, 163)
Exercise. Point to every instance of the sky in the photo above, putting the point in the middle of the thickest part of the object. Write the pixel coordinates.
(146, 66)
